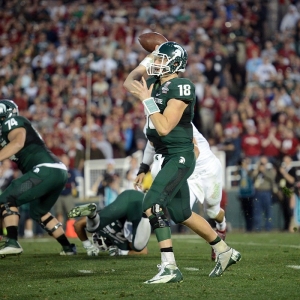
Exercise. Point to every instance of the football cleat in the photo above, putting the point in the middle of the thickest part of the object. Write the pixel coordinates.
(10, 246)
(69, 250)
(168, 273)
(224, 260)
(222, 235)
(83, 210)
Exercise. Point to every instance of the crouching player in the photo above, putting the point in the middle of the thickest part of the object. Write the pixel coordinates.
(119, 227)
(43, 178)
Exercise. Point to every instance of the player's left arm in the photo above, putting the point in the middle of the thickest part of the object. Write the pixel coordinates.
(79, 227)
(16, 139)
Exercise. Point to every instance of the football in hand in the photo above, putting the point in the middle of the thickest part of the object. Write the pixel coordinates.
(150, 39)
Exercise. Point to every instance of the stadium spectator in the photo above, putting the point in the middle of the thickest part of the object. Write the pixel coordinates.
(289, 20)
(285, 179)
(271, 144)
(289, 142)
(251, 142)
(265, 72)
(252, 65)
(208, 108)
(246, 193)
(264, 179)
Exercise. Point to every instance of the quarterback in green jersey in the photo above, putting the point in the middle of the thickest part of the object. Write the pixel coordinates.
(119, 228)
(43, 178)
(169, 105)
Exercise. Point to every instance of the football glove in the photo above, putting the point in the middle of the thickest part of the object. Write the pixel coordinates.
(113, 250)
(92, 250)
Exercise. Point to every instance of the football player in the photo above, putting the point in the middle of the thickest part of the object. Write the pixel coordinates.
(119, 227)
(43, 179)
(205, 183)
(169, 105)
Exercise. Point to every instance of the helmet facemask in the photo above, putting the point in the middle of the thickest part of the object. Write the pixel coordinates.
(100, 242)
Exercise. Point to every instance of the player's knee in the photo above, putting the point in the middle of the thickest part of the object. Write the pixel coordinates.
(5, 209)
(47, 227)
(213, 211)
(159, 219)
(179, 216)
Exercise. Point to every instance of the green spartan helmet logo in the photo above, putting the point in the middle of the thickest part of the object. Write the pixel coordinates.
(177, 56)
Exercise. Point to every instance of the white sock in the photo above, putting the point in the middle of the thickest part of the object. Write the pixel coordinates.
(221, 226)
(92, 224)
(28, 233)
(168, 257)
(220, 247)
(86, 243)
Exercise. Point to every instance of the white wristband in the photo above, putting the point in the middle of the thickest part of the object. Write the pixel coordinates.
(151, 106)
(86, 243)
(146, 61)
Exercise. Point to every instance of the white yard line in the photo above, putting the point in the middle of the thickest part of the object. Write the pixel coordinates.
(294, 267)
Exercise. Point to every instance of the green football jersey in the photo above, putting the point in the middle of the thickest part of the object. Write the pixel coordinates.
(114, 232)
(126, 208)
(34, 151)
(180, 139)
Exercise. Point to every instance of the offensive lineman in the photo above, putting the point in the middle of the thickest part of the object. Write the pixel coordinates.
(43, 179)
(119, 227)
(205, 183)
(169, 104)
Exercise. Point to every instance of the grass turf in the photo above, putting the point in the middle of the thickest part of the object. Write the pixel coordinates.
(263, 273)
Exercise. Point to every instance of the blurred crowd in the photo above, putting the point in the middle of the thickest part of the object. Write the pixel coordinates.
(62, 59)
(64, 64)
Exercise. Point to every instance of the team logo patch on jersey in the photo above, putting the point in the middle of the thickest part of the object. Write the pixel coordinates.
(165, 87)
(181, 160)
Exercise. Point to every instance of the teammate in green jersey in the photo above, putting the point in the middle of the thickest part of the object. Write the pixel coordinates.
(119, 228)
(169, 105)
(43, 179)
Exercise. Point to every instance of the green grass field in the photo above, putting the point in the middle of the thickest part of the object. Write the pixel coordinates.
(269, 269)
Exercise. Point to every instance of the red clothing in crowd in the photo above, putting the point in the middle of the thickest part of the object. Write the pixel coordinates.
(289, 146)
(270, 149)
(251, 144)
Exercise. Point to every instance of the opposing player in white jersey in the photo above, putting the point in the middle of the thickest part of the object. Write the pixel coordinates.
(205, 183)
